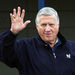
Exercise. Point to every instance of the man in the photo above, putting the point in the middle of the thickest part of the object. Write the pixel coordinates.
(49, 53)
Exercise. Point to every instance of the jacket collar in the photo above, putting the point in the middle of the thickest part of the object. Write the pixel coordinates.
(60, 36)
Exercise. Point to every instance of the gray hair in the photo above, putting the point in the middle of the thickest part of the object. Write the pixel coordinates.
(46, 11)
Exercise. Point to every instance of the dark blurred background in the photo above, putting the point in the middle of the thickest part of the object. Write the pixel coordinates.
(65, 8)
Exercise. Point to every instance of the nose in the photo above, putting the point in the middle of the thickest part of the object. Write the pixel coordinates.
(48, 28)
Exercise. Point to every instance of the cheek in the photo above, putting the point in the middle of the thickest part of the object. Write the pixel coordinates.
(56, 30)
(41, 31)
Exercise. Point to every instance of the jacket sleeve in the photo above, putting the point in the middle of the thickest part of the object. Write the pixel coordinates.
(7, 54)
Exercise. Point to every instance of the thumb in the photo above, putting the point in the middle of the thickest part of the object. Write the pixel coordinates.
(26, 22)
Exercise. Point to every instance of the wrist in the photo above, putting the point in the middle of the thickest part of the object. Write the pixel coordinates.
(14, 31)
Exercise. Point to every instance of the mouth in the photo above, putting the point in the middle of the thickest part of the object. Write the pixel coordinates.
(48, 35)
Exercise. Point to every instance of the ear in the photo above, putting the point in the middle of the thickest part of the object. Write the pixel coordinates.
(37, 26)
(58, 24)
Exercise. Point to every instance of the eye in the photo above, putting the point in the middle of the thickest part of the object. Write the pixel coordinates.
(52, 25)
(43, 25)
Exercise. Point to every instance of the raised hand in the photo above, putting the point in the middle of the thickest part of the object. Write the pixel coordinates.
(17, 20)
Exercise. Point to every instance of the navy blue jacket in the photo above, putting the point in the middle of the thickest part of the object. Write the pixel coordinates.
(33, 56)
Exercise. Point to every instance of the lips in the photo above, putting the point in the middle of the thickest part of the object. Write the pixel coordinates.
(48, 35)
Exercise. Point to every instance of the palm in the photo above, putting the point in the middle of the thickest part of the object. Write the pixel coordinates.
(17, 23)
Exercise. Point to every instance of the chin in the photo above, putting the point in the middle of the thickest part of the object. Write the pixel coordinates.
(48, 40)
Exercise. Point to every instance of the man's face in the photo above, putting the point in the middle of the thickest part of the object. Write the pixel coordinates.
(47, 27)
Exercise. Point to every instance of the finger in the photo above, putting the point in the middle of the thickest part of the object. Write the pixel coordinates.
(19, 11)
(23, 13)
(26, 22)
(14, 12)
(11, 16)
